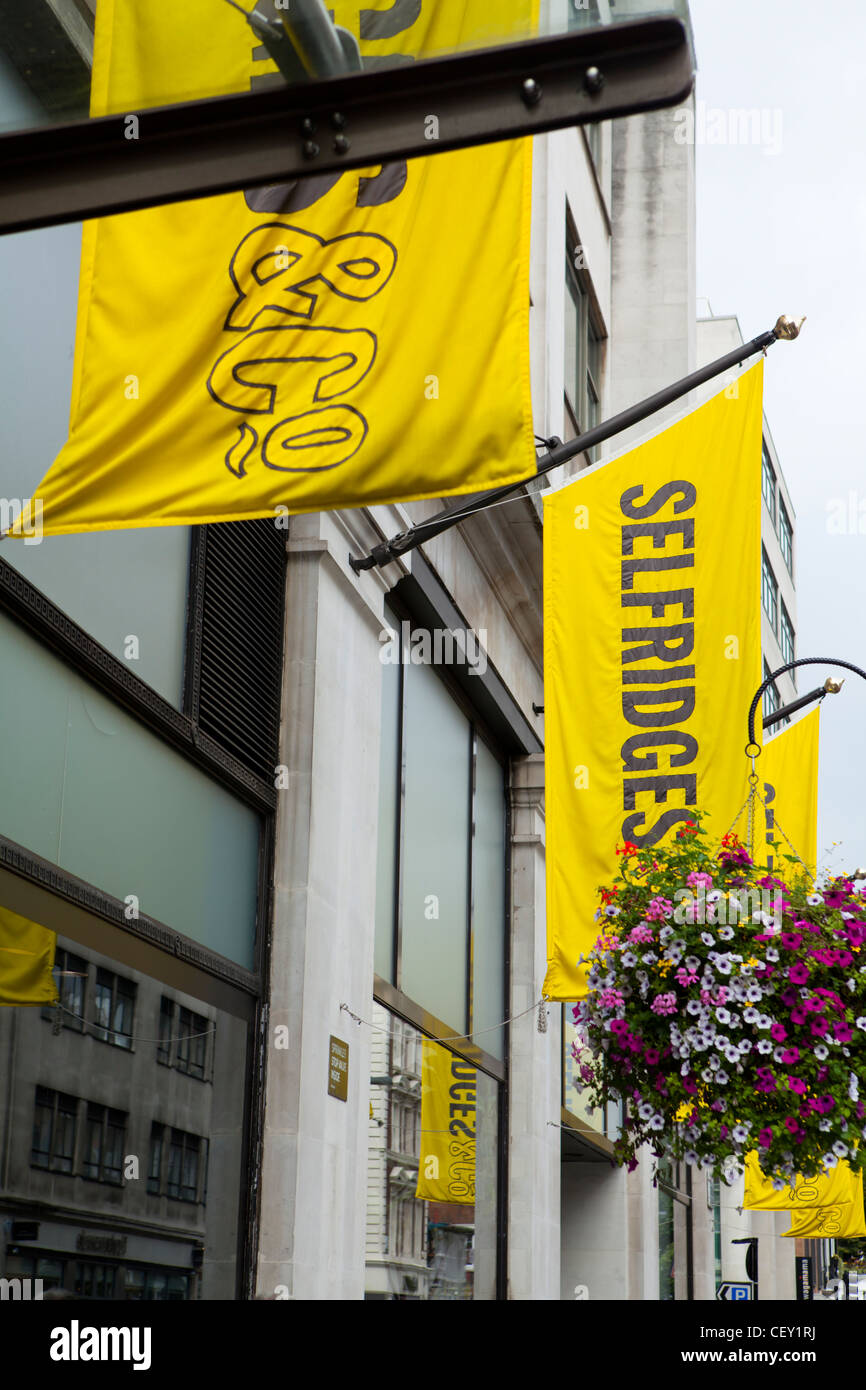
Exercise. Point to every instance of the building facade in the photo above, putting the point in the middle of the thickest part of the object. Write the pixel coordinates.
(288, 823)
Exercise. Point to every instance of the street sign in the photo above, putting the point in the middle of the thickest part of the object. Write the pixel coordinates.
(735, 1293)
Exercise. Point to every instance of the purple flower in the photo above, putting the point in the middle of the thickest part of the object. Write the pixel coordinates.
(796, 1085)
(778, 1032)
(765, 1138)
(798, 974)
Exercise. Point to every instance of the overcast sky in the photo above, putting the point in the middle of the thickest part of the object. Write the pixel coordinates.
(782, 229)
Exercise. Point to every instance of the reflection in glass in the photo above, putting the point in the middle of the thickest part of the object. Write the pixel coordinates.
(121, 1165)
(427, 1247)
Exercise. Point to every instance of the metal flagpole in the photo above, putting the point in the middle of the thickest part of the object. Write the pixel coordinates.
(408, 540)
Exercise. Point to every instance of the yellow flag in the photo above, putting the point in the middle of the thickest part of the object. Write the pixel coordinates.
(838, 1222)
(788, 769)
(354, 339)
(26, 961)
(838, 1187)
(652, 652)
(446, 1171)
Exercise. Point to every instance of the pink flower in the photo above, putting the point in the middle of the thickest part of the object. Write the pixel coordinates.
(796, 1085)
(842, 1032)
(641, 933)
(791, 1055)
(798, 974)
(765, 1138)
(658, 909)
(664, 1004)
(778, 1032)
(686, 977)
(699, 880)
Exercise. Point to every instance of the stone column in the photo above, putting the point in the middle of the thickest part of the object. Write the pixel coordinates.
(313, 1200)
(535, 1058)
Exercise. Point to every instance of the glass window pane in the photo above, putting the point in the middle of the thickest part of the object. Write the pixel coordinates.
(386, 871)
(423, 1248)
(488, 897)
(435, 887)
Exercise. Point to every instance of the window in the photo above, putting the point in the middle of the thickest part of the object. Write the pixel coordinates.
(772, 698)
(786, 537)
(441, 910)
(70, 974)
(769, 592)
(768, 482)
(104, 1144)
(54, 1131)
(114, 1005)
(95, 1280)
(185, 1170)
(183, 1038)
(583, 345)
(584, 13)
(786, 636)
(154, 1169)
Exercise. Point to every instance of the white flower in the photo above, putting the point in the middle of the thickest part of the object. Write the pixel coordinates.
(765, 1021)
(648, 957)
(685, 1069)
(772, 955)
(825, 1125)
(611, 911)
(777, 1054)
(692, 963)
(724, 964)
(722, 1014)
(740, 1133)
(779, 1183)
(713, 896)
(690, 1157)
(645, 1110)
(861, 1023)
(853, 1087)
(722, 1078)
(657, 1122)
(754, 993)
(745, 1046)
(751, 1015)
(628, 959)
(735, 1019)
(708, 938)
(814, 899)
(764, 1045)
(733, 1055)
(840, 1149)
(665, 934)
(821, 1052)
(726, 933)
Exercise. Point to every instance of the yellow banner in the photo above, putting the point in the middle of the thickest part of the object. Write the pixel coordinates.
(788, 769)
(26, 961)
(839, 1222)
(446, 1171)
(336, 342)
(652, 652)
(838, 1187)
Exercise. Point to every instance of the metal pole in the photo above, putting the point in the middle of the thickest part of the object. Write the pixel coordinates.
(830, 688)
(408, 540)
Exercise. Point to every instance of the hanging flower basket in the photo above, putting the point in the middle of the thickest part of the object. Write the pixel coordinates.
(727, 1008)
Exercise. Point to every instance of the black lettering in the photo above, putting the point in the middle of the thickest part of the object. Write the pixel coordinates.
(656, 643)
(662, 718)
(663, 562)
(660, 785)
(658, 499)
(665, 676)
(632, 762)
(458, 1127)
(654, 834)
(659, 602)
(659, 530)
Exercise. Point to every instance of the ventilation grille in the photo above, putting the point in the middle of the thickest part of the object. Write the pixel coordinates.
(238, 699)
